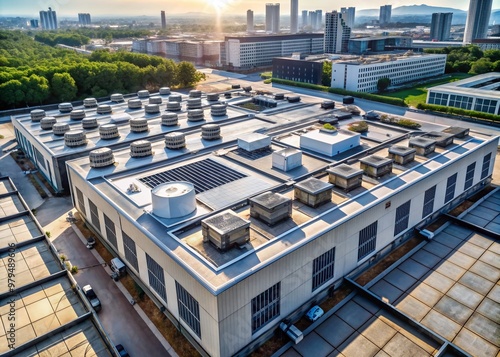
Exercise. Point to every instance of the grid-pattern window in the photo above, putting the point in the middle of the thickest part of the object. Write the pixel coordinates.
(438, 98)
(469, 175)
(189, 310)
(39, 158)
(402, 218)
(94, 215)
(367, 240)
(266, 307)
(130, 252)
(429, 196)
(156, 277)
(80, 201)
(485, 105)
(450, 188)
(323, 268)
(486, 166)
(460, 101)
(110, 230)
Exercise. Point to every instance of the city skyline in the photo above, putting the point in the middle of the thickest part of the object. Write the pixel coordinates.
(66, 8)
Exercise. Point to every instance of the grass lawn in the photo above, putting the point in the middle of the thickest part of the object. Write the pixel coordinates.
(418, 94)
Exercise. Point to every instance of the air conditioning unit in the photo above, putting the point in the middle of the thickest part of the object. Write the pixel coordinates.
(292, 332)
(427, 234)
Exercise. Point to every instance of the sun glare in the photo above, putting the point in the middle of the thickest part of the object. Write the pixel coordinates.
(219, 4)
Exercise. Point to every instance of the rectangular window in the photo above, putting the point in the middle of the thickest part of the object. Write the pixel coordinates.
(156, 277)
(94, 215)
(402, 218)
(266, 307)
(110, 230)
(80, 200)
(130, 252)
(367, 240)
(469, 176)
(189, 309)
(486, 166)
(429, 201)
(450, 188)
(323, 268)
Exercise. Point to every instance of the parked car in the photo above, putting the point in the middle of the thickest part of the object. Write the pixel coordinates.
(90, 242)
(122, 351)
(92, 297)
(315, 313)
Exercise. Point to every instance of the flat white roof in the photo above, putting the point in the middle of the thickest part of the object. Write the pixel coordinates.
(484, 85)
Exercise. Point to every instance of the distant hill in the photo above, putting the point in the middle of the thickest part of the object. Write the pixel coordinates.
(411, 10)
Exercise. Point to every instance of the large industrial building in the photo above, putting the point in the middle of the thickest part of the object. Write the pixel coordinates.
(361, 74)
(235, 227)
(479, 93)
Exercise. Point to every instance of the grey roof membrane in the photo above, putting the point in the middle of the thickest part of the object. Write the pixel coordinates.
(313, 186)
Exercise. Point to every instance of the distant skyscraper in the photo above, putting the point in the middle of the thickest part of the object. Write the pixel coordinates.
(319, 19)
(273, 18)
(84, 19)
(477, 20)
(294, 16)
(337, 33)
(48, 19)
(441, 25)
(250, 26)
(163, 20)
(385, 14)
(304, 18)
(349, 15)
(34, 23)
(312, 20)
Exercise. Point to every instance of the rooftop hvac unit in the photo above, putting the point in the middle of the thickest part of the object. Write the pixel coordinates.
(225, 229)
(401, 154)
(101, 157)
(141, 148)
(37, 115)
(427, 234)
(90, 102)
(169, 119)
(173, 199)
(75, 138)
(313, 192)
(143, 93)
(108, 131)
(254, 141)
(77, 114)
(292, 332)
(47, 123)
(65, 107)
(134, 104)
(165, 91)
(155, 100)
(60, 128)
(152, 108)
(117, 98)
(195, 93)
(104, 109)
(89, 123)
(376, 166)
(138, 125)
(423, 146)
(175, 140)
(345, 177)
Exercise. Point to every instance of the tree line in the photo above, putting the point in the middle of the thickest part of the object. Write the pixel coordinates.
(34, 74)
(469, 59)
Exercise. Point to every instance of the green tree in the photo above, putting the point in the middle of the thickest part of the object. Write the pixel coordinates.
(187, 75)
(36, 89)
(11, 93)
(383, 83)
(326, 76)
(482, 65)
(63, 87)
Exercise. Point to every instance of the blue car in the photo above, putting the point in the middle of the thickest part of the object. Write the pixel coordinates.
(315, 313)
(122, 351)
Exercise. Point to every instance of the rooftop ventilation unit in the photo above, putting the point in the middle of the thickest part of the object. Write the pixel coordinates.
(77, 114)
(101, 157)
(173, 106)
(175, 140)
(104, 109)
(196, 115)
(134, 104)
(65, 107)
(117, 98)
(108, 131)
(218, 110)
(423, 146)
(165, 91)
(175, 98)
(457, 131)
(313, 192)
(376, 166)
(75, 138)
(210, 132)
(401, 154)
(89, 123)
(287, 159)
(271, 208)
(170, 119)
(254, 142)
(195, 93)
(345, 177)
(173, 199)
(212, 97)
(225, 229)
(121, 118)
(152, 108)
(442, 139)
(143, 93)
(155, 100)
(193, 103)
(279, 96)
(37, 115)
(141, 148)
(90, 102)
(47, 123)
(138, 125)
(60, 128)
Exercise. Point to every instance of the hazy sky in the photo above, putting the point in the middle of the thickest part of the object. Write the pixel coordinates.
(153, 7)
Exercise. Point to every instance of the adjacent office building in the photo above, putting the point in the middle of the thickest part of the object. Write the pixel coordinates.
(84, 19)
(478, 18)
(250, 24)
(163, 20)
(34, 23)
(385, 14)
(441, 26)
(349, 15)
(294, 16)
(273, 18)
(48, 19)
(364, 45)
(304, 18)
(337, 33)
(305, 70)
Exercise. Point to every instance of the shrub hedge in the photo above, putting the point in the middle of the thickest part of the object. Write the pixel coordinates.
(359, 126)
(458, 111)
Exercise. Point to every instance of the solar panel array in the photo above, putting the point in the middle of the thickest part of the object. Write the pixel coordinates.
(254, 155)
(204, 175)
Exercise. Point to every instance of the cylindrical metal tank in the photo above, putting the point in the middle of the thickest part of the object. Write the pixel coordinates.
(173, 199)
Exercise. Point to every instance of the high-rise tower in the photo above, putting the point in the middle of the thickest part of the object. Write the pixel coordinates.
(250, 25)
(349, 15)
(337, 33)
(163, 20)
(385, 14)
(48, 19)
(273, 18)
(294, 16)
(441, 25)
(477, 20)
